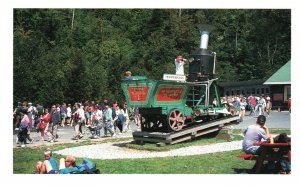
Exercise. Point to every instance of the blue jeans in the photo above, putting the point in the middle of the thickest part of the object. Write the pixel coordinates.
(286, 166)
(22, 135)
(108, 126)
(98, 127)
(253, 150)
(252, 111)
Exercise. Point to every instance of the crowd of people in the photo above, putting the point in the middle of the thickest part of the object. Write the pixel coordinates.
(110, 117)
(257, 105)
(95, 116)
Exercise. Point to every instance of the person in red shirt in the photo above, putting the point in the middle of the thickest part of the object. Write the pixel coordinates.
(44, 123)
(252, 103)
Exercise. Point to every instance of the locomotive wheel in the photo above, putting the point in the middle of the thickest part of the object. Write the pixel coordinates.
(176, 120)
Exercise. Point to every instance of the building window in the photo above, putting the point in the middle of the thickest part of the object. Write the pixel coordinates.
(267, 90)
(257, 91)
(253, 91)
(227, 93)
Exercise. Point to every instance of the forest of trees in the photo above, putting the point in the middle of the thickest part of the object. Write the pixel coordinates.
(81, 54)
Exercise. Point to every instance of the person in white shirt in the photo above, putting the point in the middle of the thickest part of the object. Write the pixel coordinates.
(119, 119)
(126, 125)
(179, 63)
(69, 114)
(97, 121)
(107, 119)
(261, 103)
(79, 121)
(31, 113)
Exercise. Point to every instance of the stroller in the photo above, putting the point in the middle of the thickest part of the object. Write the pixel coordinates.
(95, 127)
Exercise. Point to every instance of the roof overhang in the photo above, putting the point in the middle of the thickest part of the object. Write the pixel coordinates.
(281, 76)
(276, 83)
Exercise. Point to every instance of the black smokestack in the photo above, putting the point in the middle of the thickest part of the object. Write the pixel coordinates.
(202, 61)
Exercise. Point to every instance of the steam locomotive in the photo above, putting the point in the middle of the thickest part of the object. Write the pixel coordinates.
(179, 102)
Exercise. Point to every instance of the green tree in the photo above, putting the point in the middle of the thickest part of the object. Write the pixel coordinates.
(81, 54)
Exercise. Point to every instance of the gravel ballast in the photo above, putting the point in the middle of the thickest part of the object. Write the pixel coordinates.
(118, 150)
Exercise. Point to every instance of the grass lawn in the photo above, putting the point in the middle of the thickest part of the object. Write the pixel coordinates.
(216, 163)
(24, 160)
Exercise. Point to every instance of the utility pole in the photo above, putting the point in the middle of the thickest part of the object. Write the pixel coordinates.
(179, 14)
(73, 19)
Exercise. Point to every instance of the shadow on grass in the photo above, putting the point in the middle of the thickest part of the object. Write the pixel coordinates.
(265, 170)
(121, 145)
(243, 171)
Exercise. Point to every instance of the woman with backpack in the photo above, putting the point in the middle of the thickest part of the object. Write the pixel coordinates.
(24, 128)
(120, 119)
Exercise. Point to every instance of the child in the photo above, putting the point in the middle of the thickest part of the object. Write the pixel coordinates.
(268, 106)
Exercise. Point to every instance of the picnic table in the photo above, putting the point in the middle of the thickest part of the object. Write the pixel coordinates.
(270, 152)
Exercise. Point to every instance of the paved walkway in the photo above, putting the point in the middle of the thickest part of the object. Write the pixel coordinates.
(277, 120)
(119, 150)
(65, 136)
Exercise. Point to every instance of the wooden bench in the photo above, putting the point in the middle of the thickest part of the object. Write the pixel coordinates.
(248, 156)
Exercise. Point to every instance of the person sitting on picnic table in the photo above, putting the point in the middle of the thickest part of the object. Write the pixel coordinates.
(254, 134)
(49, 166)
